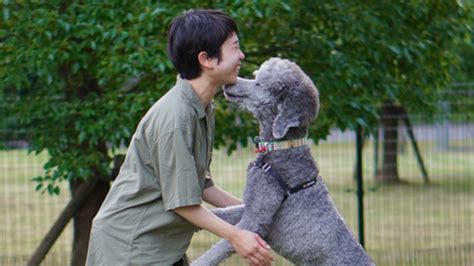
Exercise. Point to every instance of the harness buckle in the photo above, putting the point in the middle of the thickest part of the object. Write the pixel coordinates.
(266, 167)
(309, 183)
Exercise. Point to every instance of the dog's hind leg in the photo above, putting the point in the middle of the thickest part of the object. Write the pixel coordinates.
(231, 214)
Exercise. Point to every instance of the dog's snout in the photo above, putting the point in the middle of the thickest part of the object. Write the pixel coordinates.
(230, 94)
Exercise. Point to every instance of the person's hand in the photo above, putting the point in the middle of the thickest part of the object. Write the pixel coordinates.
(252, 248)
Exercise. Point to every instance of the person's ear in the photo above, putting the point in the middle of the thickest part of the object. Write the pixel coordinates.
(205, 61)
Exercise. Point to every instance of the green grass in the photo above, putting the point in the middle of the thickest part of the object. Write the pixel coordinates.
(410, 223)
(26, 215)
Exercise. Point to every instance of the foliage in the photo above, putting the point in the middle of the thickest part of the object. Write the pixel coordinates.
(465, 72)
(63, 66)
(80, 75)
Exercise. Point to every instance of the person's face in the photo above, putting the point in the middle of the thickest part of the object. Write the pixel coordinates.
(227, 69)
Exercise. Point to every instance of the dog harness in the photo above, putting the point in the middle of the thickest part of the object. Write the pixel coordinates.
(266, 147)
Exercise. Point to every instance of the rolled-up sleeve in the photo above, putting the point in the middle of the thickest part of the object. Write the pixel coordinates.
(208, 182)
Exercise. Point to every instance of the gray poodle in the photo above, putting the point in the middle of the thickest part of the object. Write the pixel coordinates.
(286, 201)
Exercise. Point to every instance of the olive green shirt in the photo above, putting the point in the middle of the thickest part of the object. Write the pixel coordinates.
(166, 166)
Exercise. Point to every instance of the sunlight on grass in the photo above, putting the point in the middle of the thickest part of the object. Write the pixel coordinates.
(411, 223)
(27, 215)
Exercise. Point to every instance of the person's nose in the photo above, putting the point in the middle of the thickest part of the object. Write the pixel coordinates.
(242, 55)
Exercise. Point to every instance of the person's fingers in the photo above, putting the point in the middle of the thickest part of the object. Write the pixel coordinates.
(265, 253)
(262, 243)
(256, 258)
(267, 259)
(252, 260)
(261, 258)
(254, 250)
(264, 249)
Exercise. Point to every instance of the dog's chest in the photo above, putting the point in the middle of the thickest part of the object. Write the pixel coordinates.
(276, 182)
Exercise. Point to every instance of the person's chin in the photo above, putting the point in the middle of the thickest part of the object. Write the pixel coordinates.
(232, 80)
(229, 82)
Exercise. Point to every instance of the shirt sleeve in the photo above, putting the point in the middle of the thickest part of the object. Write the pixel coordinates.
(177, 170)
(208, 182)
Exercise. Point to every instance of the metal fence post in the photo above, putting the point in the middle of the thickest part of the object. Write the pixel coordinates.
(360, 188)
(442, 126)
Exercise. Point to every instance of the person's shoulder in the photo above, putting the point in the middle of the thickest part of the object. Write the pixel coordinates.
(170, 112)
(174, 105)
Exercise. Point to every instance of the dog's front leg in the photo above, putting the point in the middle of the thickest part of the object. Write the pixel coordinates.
(231, 214)
(263, 197)
(215, 255)
(222, 249)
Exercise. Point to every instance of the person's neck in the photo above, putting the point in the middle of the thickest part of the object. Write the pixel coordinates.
(204, 88)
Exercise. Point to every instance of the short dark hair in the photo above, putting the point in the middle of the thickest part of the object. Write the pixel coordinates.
(195, 31)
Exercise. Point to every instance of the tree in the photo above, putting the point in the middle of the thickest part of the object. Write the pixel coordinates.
(81, 74)
(465, 71)
(71, 70)
(362, 56)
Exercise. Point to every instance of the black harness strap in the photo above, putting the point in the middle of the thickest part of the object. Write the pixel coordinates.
(288, 190)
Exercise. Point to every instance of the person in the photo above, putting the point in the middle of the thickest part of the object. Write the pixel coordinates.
(155, 204)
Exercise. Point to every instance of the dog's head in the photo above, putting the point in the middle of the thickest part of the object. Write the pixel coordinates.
(281, 94)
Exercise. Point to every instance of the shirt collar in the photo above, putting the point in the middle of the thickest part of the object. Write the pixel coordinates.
(191, 96)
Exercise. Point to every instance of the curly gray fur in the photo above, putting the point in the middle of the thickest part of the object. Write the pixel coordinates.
(306, 228)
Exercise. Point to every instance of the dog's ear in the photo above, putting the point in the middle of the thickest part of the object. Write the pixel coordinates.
(287, 117)
(298, 108)
(299, 102)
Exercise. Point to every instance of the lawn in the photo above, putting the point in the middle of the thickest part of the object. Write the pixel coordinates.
(411, 223)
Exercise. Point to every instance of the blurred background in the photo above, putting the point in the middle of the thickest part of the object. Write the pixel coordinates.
(76, 77)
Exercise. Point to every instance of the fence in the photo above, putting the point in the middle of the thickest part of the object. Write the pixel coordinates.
(411, 222)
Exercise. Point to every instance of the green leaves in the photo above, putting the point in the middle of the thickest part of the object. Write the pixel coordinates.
(64, 67)
(81, 75)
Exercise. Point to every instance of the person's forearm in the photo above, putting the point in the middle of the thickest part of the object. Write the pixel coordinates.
(217, 197)
(200, 216)
(248, 245)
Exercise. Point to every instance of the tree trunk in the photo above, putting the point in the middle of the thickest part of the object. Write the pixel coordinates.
(83, 220)
(389, 126)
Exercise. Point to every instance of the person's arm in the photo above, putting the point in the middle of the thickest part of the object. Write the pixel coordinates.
(217, 197)
(247, 244)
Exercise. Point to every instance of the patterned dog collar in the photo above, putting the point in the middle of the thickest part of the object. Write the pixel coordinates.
(268, 146)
